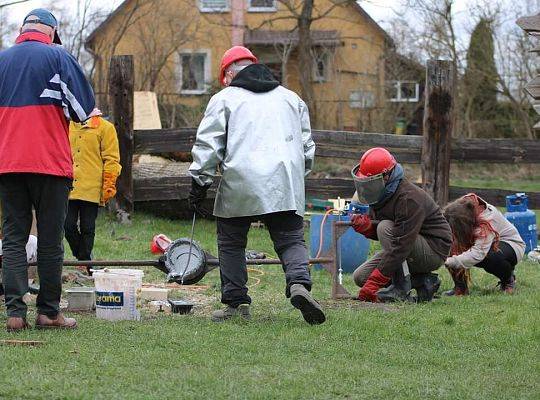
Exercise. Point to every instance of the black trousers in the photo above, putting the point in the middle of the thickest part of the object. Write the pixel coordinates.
(81, 228)
(49, 196)
(287, 234)
(500, 263)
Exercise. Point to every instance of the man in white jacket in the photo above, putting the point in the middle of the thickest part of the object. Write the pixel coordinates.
(258, 134)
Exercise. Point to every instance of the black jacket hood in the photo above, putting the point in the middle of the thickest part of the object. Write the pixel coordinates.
(256, 78)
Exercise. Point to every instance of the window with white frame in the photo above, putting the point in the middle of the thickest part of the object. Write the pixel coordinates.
(321, 65)
(214, 5)
(362, 99)
(262, 5)
(194, 71)
(403, 91)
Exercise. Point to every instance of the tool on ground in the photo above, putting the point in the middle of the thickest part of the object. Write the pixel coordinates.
(181, 306)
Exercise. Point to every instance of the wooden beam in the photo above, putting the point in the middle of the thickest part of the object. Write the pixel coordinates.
(361, 139)
(164, 190)
(502, 151)
(438, 126)
(411, 156)
(164, 140)
(351, 145)
(121, 83)
(497, 197)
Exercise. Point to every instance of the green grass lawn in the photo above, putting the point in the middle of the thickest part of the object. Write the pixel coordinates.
(485, 346)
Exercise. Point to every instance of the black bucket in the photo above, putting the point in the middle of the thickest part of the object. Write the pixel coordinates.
(176, 259)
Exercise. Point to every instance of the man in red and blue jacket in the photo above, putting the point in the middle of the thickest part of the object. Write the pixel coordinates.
(42, 87)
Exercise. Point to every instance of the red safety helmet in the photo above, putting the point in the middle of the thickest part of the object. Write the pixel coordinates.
(375, 161)
(233, 55)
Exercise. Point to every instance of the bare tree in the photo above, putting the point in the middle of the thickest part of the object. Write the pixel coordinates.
(437, 36)
(6, 27)
(13, 2)
(516, 63)
(103, 47)
(77, 20)
(160, 37)
(302, 14)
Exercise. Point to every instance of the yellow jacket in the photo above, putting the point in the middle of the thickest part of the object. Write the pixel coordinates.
(94, 146)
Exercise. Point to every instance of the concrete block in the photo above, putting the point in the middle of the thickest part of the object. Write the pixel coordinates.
(154, 294)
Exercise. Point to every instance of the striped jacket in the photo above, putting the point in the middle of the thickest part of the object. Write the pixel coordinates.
(42, 87)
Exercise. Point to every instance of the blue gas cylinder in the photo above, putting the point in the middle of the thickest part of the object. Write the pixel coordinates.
(354, 248)
(522, 218)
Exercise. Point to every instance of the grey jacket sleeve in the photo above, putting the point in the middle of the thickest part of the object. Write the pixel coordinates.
(209, 148)
(307, 140)
(474, 255)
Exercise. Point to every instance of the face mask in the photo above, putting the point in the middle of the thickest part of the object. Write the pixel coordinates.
(369, 189)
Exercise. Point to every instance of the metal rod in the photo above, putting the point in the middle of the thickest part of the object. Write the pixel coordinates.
(108, 263)
(153, 263)
(190, 247)
(274, 261)
(343, 223)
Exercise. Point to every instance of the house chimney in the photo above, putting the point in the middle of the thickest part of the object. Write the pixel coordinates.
(237, 15)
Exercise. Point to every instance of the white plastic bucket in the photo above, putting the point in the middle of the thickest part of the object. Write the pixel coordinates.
(117, 294)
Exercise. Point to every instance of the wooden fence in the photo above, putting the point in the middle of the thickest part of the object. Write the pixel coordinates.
(330, 144)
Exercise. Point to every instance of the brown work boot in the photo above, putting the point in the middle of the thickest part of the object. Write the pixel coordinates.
(457, 291)
(45, 322)
(461, 278)
(242, 311)
(508, 286)
(16, 324)
(310, 309)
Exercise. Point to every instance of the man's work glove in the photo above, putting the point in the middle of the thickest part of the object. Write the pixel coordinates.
(108, 190)
(197, 195)
(361, 223)
(376, 281)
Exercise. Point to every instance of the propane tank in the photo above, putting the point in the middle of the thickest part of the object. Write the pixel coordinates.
(522, 218)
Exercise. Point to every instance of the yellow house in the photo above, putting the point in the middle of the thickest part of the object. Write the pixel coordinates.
(178, 44)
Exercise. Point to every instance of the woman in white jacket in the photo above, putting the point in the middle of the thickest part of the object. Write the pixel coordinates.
(483, 238)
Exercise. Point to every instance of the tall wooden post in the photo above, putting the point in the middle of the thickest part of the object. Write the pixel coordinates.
(438, 126)
(121, 83)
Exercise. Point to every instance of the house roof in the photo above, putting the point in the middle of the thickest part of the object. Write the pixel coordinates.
(357, 6)
(266, 37)
(93, 34)
(529, 23)
(363, 12)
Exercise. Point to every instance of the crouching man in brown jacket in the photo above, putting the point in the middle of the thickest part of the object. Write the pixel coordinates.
(414, 236)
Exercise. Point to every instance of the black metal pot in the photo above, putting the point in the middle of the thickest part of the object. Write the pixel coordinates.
(176, 258)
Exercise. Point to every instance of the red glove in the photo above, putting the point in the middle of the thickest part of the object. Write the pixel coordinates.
(376, 281)
(361, 223)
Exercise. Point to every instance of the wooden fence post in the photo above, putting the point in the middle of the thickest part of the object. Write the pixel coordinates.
(121, 83)
(438, 126)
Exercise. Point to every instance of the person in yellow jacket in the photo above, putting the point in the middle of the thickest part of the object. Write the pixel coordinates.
(96, 166)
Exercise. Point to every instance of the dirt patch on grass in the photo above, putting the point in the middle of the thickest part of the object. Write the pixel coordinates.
(358, 305)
